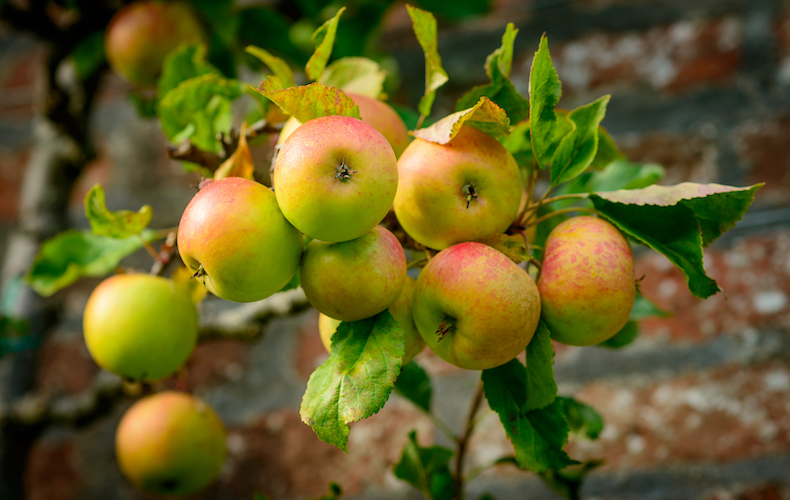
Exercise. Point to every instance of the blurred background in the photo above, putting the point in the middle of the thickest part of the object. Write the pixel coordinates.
(697, 408)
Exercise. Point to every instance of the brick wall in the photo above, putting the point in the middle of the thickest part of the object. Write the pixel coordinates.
(698, 408)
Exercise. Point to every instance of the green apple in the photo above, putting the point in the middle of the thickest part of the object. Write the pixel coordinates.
(373, 111)
(233, 236)
(586, 284)
(355, 279)
(141, 34)
(170, 444)
(335, 178)
(400, 310)
(475, 308)
(460, 191)
(140, 326)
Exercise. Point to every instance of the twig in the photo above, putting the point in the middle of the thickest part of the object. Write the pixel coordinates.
(463, 441)
(186, 151)
(166, 254)
(416, 263)
(564, 211)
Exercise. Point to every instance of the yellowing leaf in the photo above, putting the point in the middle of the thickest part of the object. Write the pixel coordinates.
(308, 101)
(118, 224)
(240, 162)
(324, 40)
(485, 115)
(278, 66)
(358, 75)
(424, 25)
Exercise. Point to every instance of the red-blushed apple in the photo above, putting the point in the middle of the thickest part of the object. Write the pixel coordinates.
(233, 236)
(142, 33)
(373, 111)
(460, 191)
(170, 444)
(400, 310)
(475, 308)
(586, 284)
(140, 326)
(355, 279)
(335, 178)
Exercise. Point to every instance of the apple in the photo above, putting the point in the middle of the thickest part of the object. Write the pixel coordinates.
(586, 284)
(141, 34)
(475, 308)
(139, 326)
(170, 444)
(234, 238)
(400, 310)
(461, 191)
(335, 178)
(355, 279)
(373, 111)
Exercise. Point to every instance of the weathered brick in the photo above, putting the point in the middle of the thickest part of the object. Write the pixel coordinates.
(216, 361)
(65, 364)
(765, 150)
(686, 157)
(675, 57)
(53, 472)
(12, 168)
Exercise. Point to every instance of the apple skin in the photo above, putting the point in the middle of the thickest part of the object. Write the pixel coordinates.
(355, 279)
(170, 444)
(490, 304)
(234, 229)
(140, 35)
(586, 284)
(431, 203)
(373, 111)
(140, 326)
(335, 178)
(400, 310)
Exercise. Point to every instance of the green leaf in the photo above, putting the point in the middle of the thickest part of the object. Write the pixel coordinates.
(415, 385)
(568, 482)
(88, 55)
(582, 418)
(334, 493)
(221, 17)
(199, 109)
(500, 89)
(541, 386)
(538, 436)
(642, 308)
(427, 469)
(265, 27)
(119, 224)
(620, 174)
(356, 380)
(577, 149)
(278, 66)
(545, 91)
(183, 63)
(357, 75)
(73, 254)
(607, 150)
(424, 25)
(324, 40)
(678, 221)
(485, 116)
(308, 101)
(457, 9)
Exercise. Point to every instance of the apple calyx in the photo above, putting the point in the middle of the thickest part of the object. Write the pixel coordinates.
(469, 193)
(445, 327)
(343, 172)
(200, 272)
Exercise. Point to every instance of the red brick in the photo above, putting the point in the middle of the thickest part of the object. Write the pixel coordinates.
(52, 472)
(215, 362)
(765, 149)
(12, 169)
(754, 274)
(724, 415)
(18, 75)
(65, 366)
(675, 57)
(685, 157)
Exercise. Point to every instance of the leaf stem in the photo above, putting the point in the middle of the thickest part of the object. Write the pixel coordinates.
(564, 211)
(463, 440)
(566, 197)
(530, 188)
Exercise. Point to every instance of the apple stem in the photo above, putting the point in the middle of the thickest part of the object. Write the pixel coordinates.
(469, 193)
(343, 172)
(445, 327)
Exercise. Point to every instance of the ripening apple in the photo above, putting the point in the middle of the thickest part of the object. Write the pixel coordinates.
(475, 308)
(355, 279)
(400, 310)
(335, 178)
(373, 111)
(141, 34)
(170, 444)
(233, 236)
(587, 281)
(140, 326)
(460, 191)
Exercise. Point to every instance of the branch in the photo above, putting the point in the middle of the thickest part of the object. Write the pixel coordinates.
(186, 151)
(463, 441)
